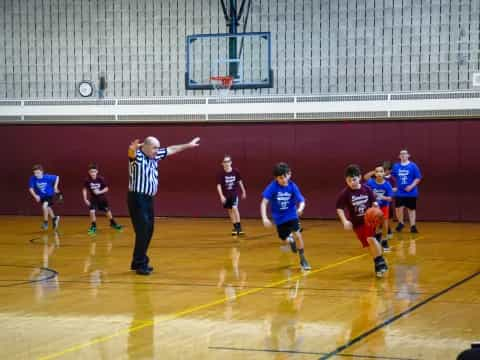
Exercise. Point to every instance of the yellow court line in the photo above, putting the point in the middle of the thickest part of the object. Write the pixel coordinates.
(194, 309)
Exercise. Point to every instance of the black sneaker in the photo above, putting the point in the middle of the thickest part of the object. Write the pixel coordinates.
(304, 264)
(385, 246)
(116, 227)
(92, 230)
(413, 229)
(56, 221)
(234, 232)
(379, 273)
(134, 268)
(399, 227)
(293, 244)
(143, 271)
(240, 232)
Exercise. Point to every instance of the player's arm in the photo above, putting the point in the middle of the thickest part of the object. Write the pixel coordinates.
(55, 185)
(263, 212)
(132, 149)
(85, 198)
(34, 194)
(242, 187)
(301, 207)
(414, 183)
(369, 175)
(173, 149)
(347, 225)
(103, 191)
(300, 200)
(220, 193)
(416, 180)
(389, 193)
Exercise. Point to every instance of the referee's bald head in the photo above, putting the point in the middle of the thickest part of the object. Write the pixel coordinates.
(150, 146)
(151, 140)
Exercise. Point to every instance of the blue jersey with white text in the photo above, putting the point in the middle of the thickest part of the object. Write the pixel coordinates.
(283, 201)
(384, 189)
(44, 186)
(405, 174)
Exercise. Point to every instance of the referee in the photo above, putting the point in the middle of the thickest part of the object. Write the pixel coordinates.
(142, 187)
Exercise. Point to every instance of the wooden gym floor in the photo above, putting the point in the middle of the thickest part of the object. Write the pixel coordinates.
(214, 296)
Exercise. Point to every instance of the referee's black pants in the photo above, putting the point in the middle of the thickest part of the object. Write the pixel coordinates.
(140, 207)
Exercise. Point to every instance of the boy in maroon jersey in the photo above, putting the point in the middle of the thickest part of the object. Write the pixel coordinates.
(356, 198)
(228, 181)
(96, 187)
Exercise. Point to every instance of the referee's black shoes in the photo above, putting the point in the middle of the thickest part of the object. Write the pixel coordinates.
(144, 271)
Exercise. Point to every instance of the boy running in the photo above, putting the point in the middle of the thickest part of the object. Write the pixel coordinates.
(356, 198)
(43, 188)
(96, 187)
(287, 204)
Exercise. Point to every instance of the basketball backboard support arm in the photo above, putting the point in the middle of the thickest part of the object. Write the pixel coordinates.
(233, 21)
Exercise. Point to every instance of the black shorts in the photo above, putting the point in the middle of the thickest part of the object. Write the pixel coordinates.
(101, 205)
(391, 214)
(286, 228)
(230, 202)
(48, 199)
(408, 202)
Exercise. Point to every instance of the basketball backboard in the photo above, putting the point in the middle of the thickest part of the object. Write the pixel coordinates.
(244, 56)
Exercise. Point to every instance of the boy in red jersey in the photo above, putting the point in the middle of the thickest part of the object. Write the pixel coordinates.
(96, 187)
(356, 198)
(228, 181)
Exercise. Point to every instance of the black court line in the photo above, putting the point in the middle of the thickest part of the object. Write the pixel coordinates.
(358, 356)
(395, 318)
(210, 243)
(52, 274)
(347, 291)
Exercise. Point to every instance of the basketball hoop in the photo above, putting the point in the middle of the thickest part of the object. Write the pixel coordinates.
(222, 84)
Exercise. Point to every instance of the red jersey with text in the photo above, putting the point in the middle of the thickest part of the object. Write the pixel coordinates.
(98, 183)
(229, 182)
(356, 202)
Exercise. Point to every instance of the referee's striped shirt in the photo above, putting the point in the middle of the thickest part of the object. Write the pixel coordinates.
(143, 172)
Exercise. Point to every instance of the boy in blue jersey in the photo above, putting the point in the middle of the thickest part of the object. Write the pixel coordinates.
(284, 197)
(384, 194)
(43, 188)
(408, 176)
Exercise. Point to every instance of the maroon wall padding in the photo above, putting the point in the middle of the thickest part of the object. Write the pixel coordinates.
(447, 152)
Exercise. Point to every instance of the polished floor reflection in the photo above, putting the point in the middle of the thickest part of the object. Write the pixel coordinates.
(213, 296)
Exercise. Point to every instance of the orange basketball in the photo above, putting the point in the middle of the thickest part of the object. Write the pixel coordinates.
(374, 216)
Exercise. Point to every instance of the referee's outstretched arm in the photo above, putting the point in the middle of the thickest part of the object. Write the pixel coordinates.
(173, 149)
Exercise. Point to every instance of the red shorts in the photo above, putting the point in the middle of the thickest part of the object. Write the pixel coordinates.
(363, 232)
(386, 212)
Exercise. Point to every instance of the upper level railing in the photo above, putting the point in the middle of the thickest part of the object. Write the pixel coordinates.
(412, 105)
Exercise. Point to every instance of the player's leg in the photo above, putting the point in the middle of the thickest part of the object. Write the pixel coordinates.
(55, 218)
(45, 214)
(384, 226)
(232, 219)
(375, 249)
(284, 232)
(301, 247)
(391, 210)
(400, 208)
(236, 218)
(366, 236)
(93, 218)
(412, 214)
(113, 223)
